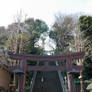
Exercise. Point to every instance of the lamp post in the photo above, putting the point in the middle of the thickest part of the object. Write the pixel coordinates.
(19, 73)
(71, 80)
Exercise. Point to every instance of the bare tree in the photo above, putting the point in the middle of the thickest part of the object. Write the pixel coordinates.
(68, 38)
(62, 32)
(16, 30)
(78, 45)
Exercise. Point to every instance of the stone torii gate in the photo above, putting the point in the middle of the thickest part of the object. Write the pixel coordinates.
(68, 67)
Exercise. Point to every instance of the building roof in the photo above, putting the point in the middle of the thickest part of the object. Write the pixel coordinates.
(4, 67)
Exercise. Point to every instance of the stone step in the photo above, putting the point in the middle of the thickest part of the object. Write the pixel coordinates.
(47, 82)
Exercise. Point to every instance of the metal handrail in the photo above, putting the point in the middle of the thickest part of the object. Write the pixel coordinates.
(33, 80)
(61, 79)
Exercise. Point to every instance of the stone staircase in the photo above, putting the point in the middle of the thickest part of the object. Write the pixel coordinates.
(47, 82)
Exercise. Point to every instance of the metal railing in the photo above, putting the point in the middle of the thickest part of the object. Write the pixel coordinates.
(33, 80)
(61, 79)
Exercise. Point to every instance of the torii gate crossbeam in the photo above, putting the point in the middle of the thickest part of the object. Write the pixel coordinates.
(60, 58)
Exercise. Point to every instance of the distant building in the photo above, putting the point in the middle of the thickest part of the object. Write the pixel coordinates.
(4, 79)
(4, 74)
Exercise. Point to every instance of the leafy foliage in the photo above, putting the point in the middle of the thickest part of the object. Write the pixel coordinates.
(85, 23)
(35, 28)
(86, 28)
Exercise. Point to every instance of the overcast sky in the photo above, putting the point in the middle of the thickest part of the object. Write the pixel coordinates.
(42, 9)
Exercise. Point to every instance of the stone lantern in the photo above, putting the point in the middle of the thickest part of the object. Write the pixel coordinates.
(19, 73)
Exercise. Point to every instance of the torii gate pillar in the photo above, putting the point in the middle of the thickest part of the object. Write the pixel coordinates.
(70, 76)
(23, 66)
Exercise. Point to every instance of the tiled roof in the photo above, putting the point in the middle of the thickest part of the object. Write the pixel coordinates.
(4, 66)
